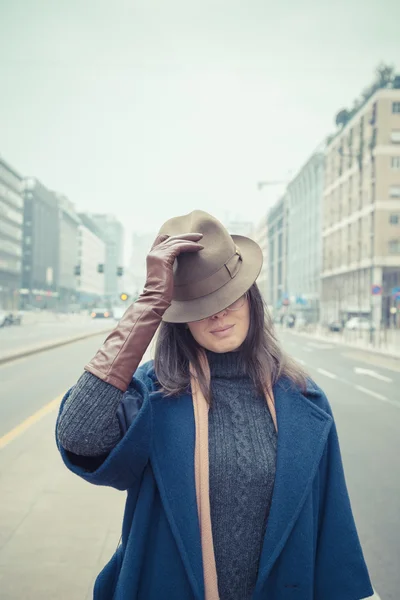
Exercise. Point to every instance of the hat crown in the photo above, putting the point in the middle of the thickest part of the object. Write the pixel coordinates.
(218, 246)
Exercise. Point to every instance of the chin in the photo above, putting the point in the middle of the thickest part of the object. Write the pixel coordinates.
(222, 346)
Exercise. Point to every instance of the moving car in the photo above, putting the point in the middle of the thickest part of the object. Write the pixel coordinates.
(101, 313)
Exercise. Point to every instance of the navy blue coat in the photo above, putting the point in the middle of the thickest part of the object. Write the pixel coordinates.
(311, 549)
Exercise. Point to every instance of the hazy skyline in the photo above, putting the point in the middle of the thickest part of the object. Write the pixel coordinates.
(151, 109)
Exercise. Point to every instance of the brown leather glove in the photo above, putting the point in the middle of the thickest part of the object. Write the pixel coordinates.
(118, 358)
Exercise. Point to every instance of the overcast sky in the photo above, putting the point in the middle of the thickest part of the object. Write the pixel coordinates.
(151, 108)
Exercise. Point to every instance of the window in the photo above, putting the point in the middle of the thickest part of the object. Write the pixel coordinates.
(396, 107)
(395, 136)
(395, 163)
(394, 246)
(394, 191)
(394, 219)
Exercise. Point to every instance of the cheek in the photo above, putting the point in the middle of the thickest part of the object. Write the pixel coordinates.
(196, 329)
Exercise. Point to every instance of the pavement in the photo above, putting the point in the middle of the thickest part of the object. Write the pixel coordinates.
(57, 532)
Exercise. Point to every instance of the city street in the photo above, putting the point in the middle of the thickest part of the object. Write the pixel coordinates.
(56, 532)
(40, 328)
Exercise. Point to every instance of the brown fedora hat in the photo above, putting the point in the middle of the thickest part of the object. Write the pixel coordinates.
(208, 281)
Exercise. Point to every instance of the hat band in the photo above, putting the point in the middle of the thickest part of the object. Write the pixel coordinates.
(204, 287)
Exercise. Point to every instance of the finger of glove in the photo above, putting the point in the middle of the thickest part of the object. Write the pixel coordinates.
(192, 237)
(159, 240)
(182, 247)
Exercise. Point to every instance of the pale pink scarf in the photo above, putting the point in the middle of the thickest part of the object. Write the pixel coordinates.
(201, 407)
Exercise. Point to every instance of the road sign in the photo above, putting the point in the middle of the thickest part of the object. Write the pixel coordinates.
(376, 290)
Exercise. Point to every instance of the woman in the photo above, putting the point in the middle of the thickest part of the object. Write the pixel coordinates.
(229, 453)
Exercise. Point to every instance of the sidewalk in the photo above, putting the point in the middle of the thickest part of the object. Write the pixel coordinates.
(56, 531)
(386, 343)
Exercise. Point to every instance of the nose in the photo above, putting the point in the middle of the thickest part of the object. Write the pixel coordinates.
(221, 313)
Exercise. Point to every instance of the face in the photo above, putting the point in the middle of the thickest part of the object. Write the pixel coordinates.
(224, 331)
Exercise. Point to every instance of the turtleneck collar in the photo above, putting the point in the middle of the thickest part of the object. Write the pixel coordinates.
(228, 364)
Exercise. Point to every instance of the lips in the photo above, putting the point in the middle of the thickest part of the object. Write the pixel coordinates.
(221, 329)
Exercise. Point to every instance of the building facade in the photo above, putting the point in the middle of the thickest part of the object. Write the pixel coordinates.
(361, 213)
(304, 195)
(40, 272)
(112, 232)
(277, 220)
(68, 240)
(91, 261)
(11, 221)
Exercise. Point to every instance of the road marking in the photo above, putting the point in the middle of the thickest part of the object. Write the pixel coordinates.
(305, 349)
(361, 371)
(320, 346)
(327, 373)
(29, 422)
(377, 396)
(300, 361)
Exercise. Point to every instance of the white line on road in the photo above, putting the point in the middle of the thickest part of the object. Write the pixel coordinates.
(361, 371)
(305, 349)
(300, 361)
(377, 396)
(327, 373)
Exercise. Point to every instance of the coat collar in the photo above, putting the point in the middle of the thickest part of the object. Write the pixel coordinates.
(303, 430)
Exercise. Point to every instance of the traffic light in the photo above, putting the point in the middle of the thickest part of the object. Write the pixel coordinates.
(124, 297)
(120, 271)
(100, 268)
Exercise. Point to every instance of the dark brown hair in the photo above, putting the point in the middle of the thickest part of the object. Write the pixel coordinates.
(260, 354)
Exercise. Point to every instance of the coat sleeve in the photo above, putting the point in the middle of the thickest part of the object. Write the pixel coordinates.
(340, 570)
(124, 465)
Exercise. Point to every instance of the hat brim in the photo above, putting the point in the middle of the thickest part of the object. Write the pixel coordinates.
(201, 308)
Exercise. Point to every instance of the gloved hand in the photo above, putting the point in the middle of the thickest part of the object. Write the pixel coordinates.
(118, 358)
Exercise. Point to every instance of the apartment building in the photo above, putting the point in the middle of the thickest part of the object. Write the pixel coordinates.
(11, 218)
(277, 254)
(361, 213)
(304, 237)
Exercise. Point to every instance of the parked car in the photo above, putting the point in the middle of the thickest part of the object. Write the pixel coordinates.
(8, 318)
(101, 313)
(359, 323)
(335, 326)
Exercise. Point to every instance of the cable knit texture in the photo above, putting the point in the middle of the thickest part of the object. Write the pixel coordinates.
(88, 425)
(242, 456)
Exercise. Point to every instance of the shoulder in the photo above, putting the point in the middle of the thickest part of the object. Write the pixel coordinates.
(317, 396)
(146, 370)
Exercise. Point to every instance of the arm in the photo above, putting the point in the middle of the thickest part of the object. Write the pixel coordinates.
(88, 424)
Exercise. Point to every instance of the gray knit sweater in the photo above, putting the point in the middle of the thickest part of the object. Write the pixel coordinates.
(242, 453)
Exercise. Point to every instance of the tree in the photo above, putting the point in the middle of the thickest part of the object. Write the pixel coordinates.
(384, 74)
(342, 118)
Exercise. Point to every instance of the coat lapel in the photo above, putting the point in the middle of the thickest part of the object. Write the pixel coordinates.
(303, 430)
(173, 464)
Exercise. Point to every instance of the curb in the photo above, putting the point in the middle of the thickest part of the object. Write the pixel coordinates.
(50, 345)
(328, 340)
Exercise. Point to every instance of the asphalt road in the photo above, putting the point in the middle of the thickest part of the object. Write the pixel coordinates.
(364, 393)
(59, 326)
